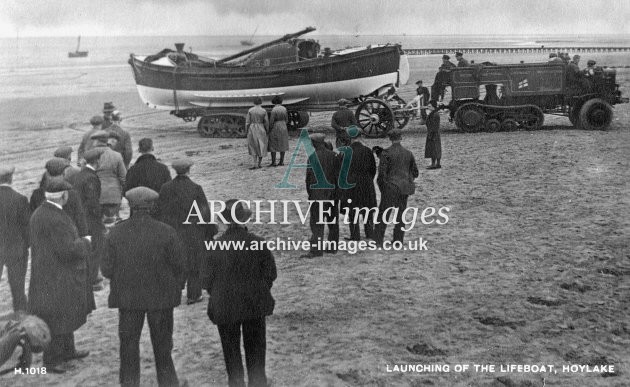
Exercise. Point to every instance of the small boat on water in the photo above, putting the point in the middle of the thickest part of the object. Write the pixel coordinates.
(77, 53)
(221, 91)
(250, 41)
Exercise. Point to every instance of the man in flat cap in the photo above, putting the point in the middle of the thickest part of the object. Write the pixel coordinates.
(86, 142)
(421, 99)
(14, 241)
(55, 168)
(147, 171)
(59, 292)
(112, 172)
(122, 144)
(144, 261)
(239, 284)
(65, 152)
(87, 184)
(322, 188)
(177, 197)
(442, 79)
(574, 74)
(341, 120)
(396, 173)
(461, 62)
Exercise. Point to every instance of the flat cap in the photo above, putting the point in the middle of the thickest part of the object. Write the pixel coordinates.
(63, 152)
(96, 120)
(57, 184)
(459, 54)
(93, 154)
(6, 171)
(419, 82)
(56, 166)
(141, 197)
(343, 102)
(590, 62)
(394, 134)
(182, 165)
(100, 135)
(241, 213)
(317, 137)
(446, 57)
(113, 134)
(108, 107)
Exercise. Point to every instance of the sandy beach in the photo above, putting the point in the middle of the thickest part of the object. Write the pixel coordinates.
(532, 268)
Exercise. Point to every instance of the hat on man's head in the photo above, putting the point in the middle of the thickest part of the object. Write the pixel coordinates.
(182, 166)
(93, 154)
(108, 107)
(141, 197)
(576, 56)
(590, 62)
(64, 152)
(553, 55)
(419, 82)
(56, 166)
(394, 134)
(343, 102)
(241, 213)
(56, 185)
(459, 54)
(145, 145)
(446, 57)
(6, 172)
(100, 135)
(317, 137)
(96, 120)
(113, 134)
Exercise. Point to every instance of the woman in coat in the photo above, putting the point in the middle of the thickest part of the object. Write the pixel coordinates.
(257, 124)
(278, 134)
(433, 145)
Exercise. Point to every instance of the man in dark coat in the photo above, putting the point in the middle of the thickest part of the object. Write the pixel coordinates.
(461, 62)
(14, 216)
(59, 292)
(361, 172)
(326, 161)
(55, 168)
(424, 93)
(342, 119)
(147, 171)
(396, 173)
(87, 184)
(145, 263)
(176, 200)
(239, 283)
(442, 79)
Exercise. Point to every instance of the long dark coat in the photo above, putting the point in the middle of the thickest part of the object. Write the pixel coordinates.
(145, 262)
(87, 184)
(361, 173)
(59, 291)
(397, 170)
(330, 164)
(147, 172)
(14, 217)
(239, 281)
(433, 144)
(175, 203)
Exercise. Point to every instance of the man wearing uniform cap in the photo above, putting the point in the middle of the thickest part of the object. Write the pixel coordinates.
(396, 173)
(87, 184)
(330, 165)
(55, 168)
(239, 284)
(176, 200)
(145, 263)
(112, 172)
(59, 292)
(341, 120)
(14, 241)
(147, 171)
(461, 62)
(87, 141)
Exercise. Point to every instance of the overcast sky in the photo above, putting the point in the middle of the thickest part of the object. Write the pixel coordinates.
(275, 17)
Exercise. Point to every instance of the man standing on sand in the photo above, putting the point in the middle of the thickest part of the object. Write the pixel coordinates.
(396, 173)
(174, 205)
(14, 217)
(123, 144)
(59, 292)
(65, 152)
(144, 261)
(86, 141)
(147, 171)
(342, 119)
(112, 172)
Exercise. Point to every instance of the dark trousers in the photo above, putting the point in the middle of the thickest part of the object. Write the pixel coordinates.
(317, 230)
(193, 285)
(96, 253)
(255, 345)
(16, 270)
(61, 347)
(130, 323)
(442, 79)
(391, 197)
(355, 227)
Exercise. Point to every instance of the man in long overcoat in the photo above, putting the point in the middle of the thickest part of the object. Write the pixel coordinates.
(123, 144)
(147, 171)
(342, 119)
(59, 292)
(396, 172)
(112, 172)
(144, 261)
(239, 284)
(87, 184)
(330, 165)
(361, 172)
(14, 216)
(175, 203)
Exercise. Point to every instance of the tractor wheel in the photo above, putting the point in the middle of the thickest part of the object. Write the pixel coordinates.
(493, 125)
(596, 114)
(375, 117)
(535, 119)
(509, 125)
(470, 118)
(206, 127)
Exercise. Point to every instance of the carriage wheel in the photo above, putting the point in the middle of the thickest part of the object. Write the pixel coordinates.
(374, 117)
